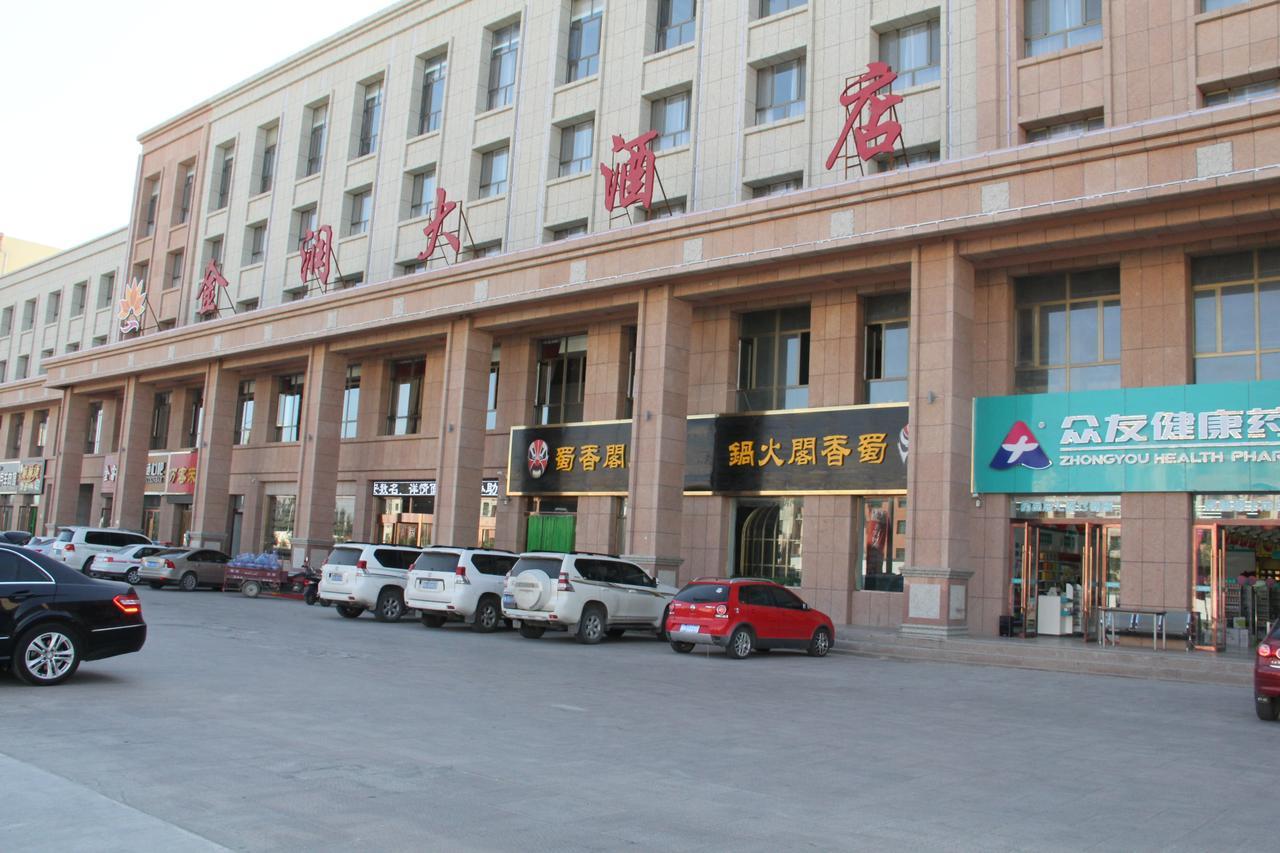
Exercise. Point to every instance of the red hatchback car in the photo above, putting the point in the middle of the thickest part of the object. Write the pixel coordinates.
(745, 614)
(1266, 676)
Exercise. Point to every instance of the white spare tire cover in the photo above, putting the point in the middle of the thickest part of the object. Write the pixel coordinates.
(531, 589)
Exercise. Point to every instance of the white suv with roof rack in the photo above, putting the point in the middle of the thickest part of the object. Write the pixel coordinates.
(359, 576)
(461, 584)
(77, 546)
(589, 595)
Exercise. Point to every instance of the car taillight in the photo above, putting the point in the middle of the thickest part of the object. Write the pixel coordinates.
(722, 611)
(460, 575)
(1264, 651)
(563, 584)
(69, 548)
(168, 564)
(129, 603)
(362, 566)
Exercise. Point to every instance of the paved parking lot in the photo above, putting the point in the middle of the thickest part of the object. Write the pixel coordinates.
(266, 724)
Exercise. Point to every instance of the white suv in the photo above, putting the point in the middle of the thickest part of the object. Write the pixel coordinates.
(589, 595)
(459, 583)
(359, 577)
(77, 546)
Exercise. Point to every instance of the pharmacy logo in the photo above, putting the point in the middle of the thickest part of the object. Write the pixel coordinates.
(1020, 448)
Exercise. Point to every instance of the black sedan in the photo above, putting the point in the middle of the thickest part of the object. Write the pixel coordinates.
(52, 617)
(15, 537)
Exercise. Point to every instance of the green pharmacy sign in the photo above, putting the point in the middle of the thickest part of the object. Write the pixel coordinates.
(1179, 438)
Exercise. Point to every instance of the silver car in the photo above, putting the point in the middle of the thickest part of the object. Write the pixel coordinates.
(126, 563)
(187, 567)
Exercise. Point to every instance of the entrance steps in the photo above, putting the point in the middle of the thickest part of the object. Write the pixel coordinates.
(1054, 655)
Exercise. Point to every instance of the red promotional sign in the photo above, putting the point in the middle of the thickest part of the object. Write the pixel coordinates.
(209, 285)
(182, 473)
(861, 95)
(110, 473)
(317, 254)
(434, 230)
(632, 180)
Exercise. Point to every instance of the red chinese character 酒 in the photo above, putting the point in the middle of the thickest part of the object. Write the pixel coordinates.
(858, 95)
(632, 180)
(317, 253)
(435, 228)
(209, 285)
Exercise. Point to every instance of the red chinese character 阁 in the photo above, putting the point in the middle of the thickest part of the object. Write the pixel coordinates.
(632, 180)
(435, 228)
(861, 94)
(209, 285)
(317, 254)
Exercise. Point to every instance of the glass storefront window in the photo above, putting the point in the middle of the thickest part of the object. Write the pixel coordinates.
(773, 360)
(344, 516)
(562, 368)
(1068, 332)
(244, 412)
(278, 535)
(768, 539)
(887, 335)
(350, 403)
(289, 407)
(1234, 296)
(883, 538)
(151, 517)
(405, 399)
(491, 407)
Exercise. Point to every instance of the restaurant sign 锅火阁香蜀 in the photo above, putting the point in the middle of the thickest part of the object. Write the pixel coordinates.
(1182, 438)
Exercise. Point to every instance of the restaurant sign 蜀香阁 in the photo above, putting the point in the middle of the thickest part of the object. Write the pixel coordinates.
(571, 459)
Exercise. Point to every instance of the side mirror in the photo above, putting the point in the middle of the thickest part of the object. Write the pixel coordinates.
(804, 606)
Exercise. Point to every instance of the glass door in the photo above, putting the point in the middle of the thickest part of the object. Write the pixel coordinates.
(1209, 556)
(1100, 576)
(1023, 585)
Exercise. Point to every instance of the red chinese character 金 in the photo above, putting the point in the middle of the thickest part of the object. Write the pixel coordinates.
(435, 228)
(209, 285)
(317, 254)
(632, 181)
(861, 94)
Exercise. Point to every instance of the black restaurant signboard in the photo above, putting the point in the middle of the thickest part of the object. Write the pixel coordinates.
(846, 450)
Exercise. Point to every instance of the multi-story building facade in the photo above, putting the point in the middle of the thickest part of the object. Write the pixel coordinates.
(1082, 202)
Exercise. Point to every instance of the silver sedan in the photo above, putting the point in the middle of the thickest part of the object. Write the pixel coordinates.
(187, 567)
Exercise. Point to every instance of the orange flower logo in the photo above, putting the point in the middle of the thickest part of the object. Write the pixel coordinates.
(131, 307)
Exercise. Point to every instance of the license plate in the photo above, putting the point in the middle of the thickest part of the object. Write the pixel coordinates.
(335, 576)
(508, 600)
(690, 629)
(427, 583)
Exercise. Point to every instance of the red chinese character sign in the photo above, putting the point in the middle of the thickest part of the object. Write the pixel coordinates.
(631, 181)
(210, 287)
(435, 228)
(133, 307)
(871, 118)
(317, 255)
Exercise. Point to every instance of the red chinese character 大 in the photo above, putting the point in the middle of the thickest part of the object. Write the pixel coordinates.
(632, 181)
(861, 94)
(317, 254)
(435, 228)
(209, 285)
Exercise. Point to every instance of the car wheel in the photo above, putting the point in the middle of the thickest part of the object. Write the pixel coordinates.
(1268, 708)
(616, 633)
(390, 606)
(740, 643)
(156, 584)
(488, 616)
(682, 648)
(662, 626)
(46, 655)
(189, 582)
(820, 644)
(432, 620)
(592, 625)
(251, 589)
(532, 632)
(133, 577)
(349, 611)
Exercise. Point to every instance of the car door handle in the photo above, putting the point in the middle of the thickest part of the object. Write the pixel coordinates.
(19, 594)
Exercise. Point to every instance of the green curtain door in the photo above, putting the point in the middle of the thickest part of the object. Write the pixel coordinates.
(551, 533)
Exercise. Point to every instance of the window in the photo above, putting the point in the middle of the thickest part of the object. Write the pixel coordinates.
(350, 403)
(246, 305)
(21, 368)
(562, 368)
(304, 221)
(914, 51)
(28, 315)
(884, 542)
(413, 267)
(493, 172)
(99, 341)
(768, 537)
(422, 193)
(1215, 5)
(142, 271)
(79, 292)
(151, 516)
(370, 118)
(314, 148)
(886, 357)
(778, 186)
(350, 280)
(665, 210)
(152, 192)
(213, 250)
(487, 250)
(93, 435)
(6, 321)
(773, 7)
(344, 516)
(584, 39)
(74, 346)
(1068, 332)
(1058, 24)
(576, 148)
(267, 160)
(186, 186)
(256, 243)
(1245, 92)
(288, 407)
(491, 407)
(917, 156)
(175, 262)
(1235, 297)
(773, 360)
(431, 107)
(502, 66)
(53, 307)
(404, 404)
(222, 188)
(45, 355)
(278, 531)
(15, 435)
(675, 23)
(160, 421)
(670, 117)
(780, 91)
(1064, 128)
(4, 371)
(565, 232)
(244, 412)
(195, 416)
(106, 290)
(41, 431)
(360, 207)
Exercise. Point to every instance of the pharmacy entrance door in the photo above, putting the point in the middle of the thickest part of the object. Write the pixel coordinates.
(1060, 575)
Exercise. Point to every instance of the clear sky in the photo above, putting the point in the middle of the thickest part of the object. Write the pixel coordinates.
(77, 91)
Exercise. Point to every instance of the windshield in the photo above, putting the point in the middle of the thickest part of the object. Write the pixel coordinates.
(436, 561)
(548, 566)
(704, 593)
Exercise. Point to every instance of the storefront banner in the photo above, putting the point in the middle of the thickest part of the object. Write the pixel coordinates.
(1181, 438)
(845, 450)
(110, 473)
(423, 488)
(22, 477)
(573, 459)
(157, 476)
(184, 468)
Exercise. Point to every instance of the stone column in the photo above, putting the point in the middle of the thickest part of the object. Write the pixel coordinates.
(135, 441)
(318, 475)
(72, 428)
(111, 426)
(608, 347)
(516, 377)
(463, 404)
(939, 563)
(211, 502)
(658, 429)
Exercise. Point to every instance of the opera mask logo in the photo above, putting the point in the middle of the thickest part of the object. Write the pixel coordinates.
(904, 443)
(538, 456)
